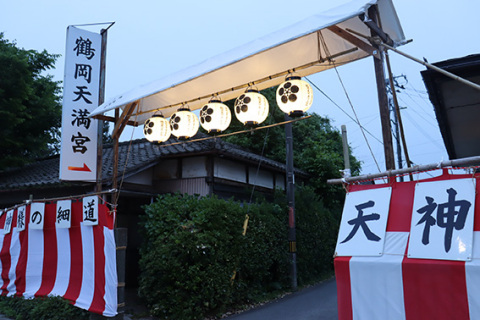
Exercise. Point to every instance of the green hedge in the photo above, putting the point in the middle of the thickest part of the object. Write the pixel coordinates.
(195, 244)
(42, 308)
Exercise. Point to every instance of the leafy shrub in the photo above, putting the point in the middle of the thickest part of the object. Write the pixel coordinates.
(194, 245)
(317, 229)
(43, 308)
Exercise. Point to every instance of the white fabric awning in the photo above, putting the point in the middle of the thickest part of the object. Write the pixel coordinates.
(307, 47)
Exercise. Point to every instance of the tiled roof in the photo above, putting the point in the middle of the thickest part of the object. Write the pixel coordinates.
(140, 154)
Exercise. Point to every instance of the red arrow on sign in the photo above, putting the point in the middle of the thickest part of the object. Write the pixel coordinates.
(84, 168)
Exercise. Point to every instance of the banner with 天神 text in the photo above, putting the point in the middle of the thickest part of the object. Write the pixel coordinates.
(78, 154)
(430, 265)
(65, 248)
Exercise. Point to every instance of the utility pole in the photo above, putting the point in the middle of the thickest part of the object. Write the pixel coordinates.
(397, 136)
(395, 122)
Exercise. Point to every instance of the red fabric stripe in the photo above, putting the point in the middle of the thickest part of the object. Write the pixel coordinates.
(22, 259)
(401, 206)
(76, 252)
(344, 291)
(434, 290)
(476, 220)
(98, 303)
(50, 253)
(105, 217)
(5, 257)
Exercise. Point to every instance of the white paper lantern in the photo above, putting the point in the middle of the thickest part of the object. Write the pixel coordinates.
(251, 108)
(294, 96)
(184, 123)
(157, 129)
(215, 116)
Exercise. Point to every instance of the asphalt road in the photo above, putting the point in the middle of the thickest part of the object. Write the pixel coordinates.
(318, 302)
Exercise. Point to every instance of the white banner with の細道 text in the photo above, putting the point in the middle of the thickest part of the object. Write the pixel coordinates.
(64, 214)
(37, 215)
(78, 156)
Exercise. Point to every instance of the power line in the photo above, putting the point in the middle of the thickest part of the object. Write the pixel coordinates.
(346, 113)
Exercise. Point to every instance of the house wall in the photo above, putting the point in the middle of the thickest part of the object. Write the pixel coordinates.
(194, 167)
(231, 170)
(261, 177)
(189, 185)
(195, 175)
(144, 178)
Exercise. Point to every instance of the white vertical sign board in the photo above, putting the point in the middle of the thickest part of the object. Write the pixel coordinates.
(442, 220)
(81, 84)
(8, 222)
(21, 213)
(63, 214)
(37, 215)
(364, 223)
(90, 211)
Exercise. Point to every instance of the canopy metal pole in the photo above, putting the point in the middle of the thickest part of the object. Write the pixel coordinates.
(464, 162)
(431, 66)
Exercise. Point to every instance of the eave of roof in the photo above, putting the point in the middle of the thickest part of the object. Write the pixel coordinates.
(139, 155)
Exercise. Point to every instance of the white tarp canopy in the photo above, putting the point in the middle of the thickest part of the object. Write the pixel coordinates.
(309, 46)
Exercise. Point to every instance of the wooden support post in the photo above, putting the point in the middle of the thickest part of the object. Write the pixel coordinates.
(115, 138)
(292, 238)
(346, 153)
(101, 99)
(383, 103)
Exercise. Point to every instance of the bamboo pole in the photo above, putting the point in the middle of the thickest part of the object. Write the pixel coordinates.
(464, 162)
(431, 66)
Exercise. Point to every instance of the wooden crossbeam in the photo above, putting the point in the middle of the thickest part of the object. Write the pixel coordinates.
(123, 119)
(355, 41)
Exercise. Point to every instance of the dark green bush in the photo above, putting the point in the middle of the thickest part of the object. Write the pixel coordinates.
(43, 308)
(317, 229)
(193, 245)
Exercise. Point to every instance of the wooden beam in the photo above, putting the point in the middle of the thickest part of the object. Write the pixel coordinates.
(355, 41)
(112, 119)
(383, 105)
(123, 119)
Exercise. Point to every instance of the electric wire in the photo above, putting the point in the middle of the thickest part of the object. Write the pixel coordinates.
(341, 109)
(324, 44)
(356, 117)
(419, 128)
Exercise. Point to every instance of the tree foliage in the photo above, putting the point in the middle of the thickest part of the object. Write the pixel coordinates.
(30, 111)
(317, 148)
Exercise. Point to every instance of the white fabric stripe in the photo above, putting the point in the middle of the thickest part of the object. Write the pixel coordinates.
(382, 278)
(63, 262)
(88, 276)
(472, 276)
(14, 254)
(110, 273)
(2, 236)
(34, 269)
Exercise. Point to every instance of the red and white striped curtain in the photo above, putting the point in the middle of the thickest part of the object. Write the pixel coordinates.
(76, 262)
(393, 286)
